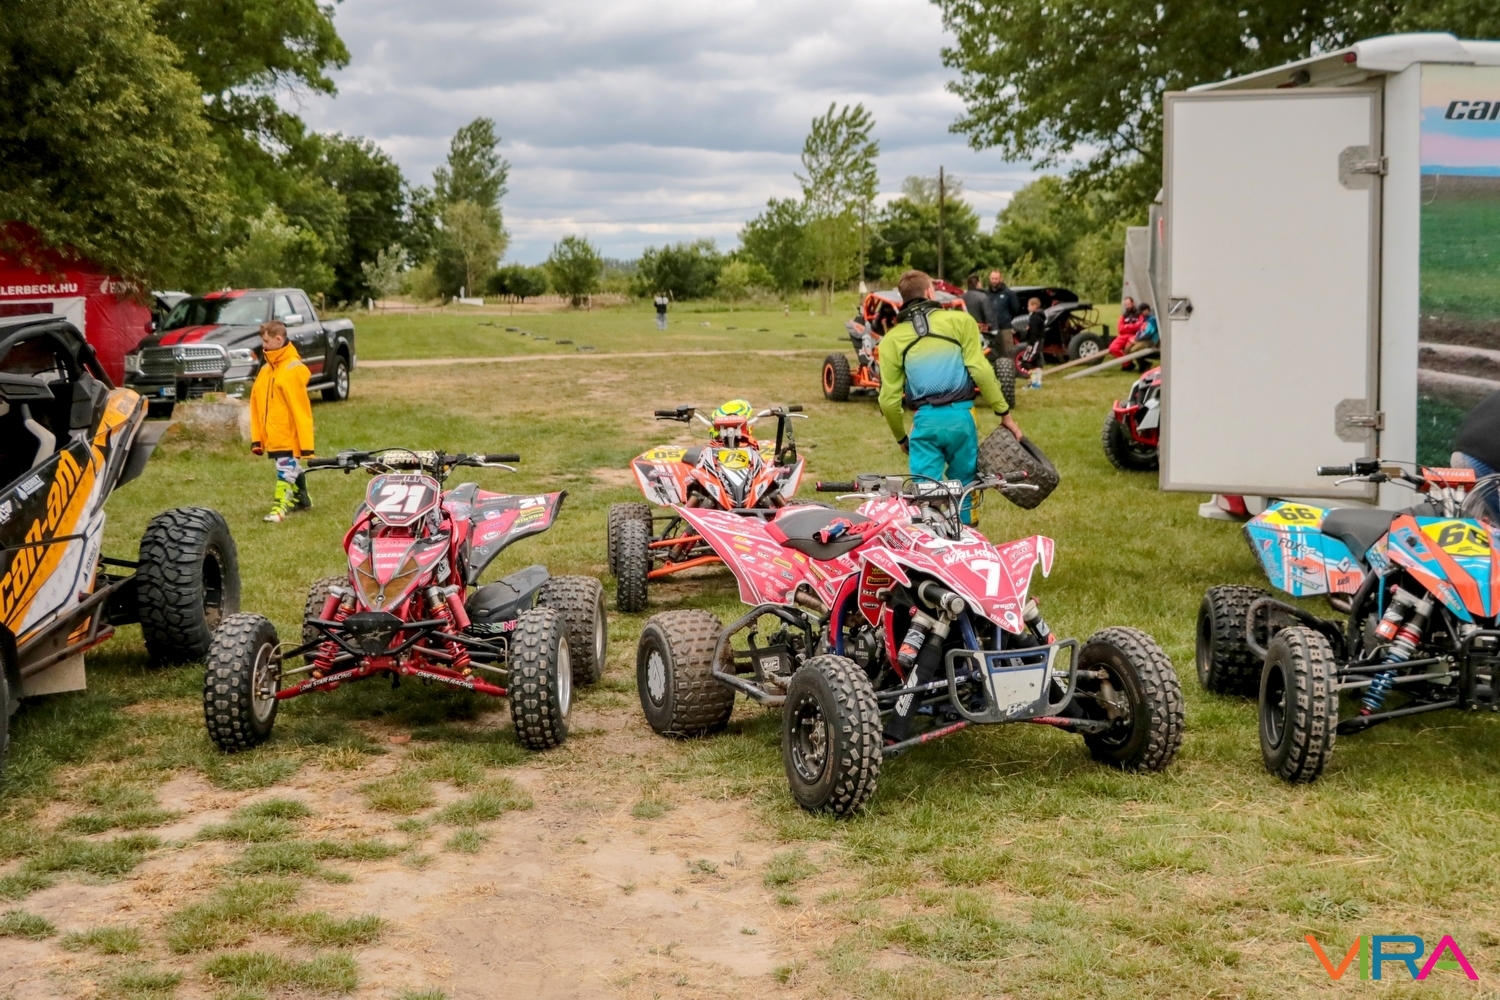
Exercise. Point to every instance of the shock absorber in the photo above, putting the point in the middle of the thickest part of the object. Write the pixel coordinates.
(445, 605)
(1404, 635)
(336, 608)
(1033, 616)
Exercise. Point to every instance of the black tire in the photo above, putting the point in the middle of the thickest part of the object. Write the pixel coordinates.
(836, 378)
(4, 719)
(187, 582)
(674, 674)
(339, 391)
(1299, 705)
(619, 513)
(317, 596)
(1225, 663)
(1086, 344)
(830, 736)
(236, 712)
(540, 685)
(632, 566)
(1138, 669)
(1001, 454)
(580, 600)
(1123, 453)
(1005, 374)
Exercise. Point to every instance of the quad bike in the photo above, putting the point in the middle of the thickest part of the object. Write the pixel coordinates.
(734, 472)
(414, 551)
(69, 438)
(878, 631)
(1072, 329)
(1417, 587)
(1132, 429)
(877, 314)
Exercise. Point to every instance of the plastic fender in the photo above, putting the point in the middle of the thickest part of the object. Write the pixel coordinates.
(1295, 554)
(499, 522)
(766, 572)
(662, 481)
(1421, 555)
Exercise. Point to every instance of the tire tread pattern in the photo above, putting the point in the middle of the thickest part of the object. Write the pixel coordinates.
(228, 696)
(619, 513)
(169, 582)
(859, 737)
(842, 380)
(1312, 726)
(580, 601)
(532, 684)
(700, 704)
(632, 566)
(1113, 438)
(1232, 668)
(1163, 693)
(1001, 454)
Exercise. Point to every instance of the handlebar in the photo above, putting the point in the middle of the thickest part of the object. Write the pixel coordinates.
(1335, 470)
(508, 457)
(348, 461)
(836, 487)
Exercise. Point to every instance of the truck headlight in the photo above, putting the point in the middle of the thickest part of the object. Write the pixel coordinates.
(241, 356)
(132, 364)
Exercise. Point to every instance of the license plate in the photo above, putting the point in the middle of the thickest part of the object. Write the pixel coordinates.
(167, 392)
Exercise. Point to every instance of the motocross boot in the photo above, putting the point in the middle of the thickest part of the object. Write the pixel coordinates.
(304, 500)
(282, 505)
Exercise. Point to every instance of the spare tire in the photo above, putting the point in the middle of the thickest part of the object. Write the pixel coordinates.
(1001, 454)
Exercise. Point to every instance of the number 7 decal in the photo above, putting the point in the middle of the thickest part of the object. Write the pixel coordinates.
(991, 571)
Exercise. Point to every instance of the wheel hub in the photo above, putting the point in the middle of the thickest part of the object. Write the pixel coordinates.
(656, 677)
(263, 682)
(810, 742)
(564, 678)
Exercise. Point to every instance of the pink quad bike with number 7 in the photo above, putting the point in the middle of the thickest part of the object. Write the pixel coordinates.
(880, 630)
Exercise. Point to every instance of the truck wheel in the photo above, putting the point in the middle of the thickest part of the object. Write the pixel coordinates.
(1086, 344)
(241, 681)
(339, 391)
(1299, 705)
(1139, 695)
(187, 580)
(1005, 374)
(317, 596)
(674, 674)
(1225, 663)
(1000, 454)
(836, 379)
(540, 685)
(1123, 453)
(830, 736)
(619, 513)
(632, 566)
(580, 600)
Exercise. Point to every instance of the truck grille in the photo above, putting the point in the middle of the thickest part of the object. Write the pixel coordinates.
(160, 362)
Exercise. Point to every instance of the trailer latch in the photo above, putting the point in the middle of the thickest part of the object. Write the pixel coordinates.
(1353, 420)
(1358, 162)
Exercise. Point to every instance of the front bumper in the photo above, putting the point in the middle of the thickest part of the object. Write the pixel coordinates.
(167, 373)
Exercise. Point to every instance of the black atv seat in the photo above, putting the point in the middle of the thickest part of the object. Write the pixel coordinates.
(795, 529)
(1358, 527)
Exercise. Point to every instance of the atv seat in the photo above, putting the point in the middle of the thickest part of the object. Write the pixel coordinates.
(505, 599)
(796, 527)
(1358, 527)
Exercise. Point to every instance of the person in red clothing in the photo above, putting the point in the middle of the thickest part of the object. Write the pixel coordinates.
(1131, 322)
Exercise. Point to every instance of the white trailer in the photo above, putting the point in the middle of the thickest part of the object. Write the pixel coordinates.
(1323, 231)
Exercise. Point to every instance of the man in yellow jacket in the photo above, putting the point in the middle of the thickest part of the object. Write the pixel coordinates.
(281, 422)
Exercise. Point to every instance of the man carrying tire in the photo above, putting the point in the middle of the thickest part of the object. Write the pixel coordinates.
(931, 362)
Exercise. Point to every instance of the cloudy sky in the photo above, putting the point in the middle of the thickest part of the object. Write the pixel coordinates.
(641, 123)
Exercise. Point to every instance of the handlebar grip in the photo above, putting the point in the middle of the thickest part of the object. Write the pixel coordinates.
(1335, 470)
(322, 463)
(667, 414)
(507, 457)
(843, 487)
(794, 408)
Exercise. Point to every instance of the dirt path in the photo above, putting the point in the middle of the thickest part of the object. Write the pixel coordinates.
(507, 359)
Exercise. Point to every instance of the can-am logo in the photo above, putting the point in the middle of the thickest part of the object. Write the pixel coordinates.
(1473, 111)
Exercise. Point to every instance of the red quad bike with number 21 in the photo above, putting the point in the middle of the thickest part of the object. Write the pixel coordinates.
(405, 607)
(879, 630)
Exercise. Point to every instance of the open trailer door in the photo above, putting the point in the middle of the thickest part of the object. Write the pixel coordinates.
(1270, 332)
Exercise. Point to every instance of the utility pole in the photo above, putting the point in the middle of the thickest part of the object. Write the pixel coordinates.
(941, 192)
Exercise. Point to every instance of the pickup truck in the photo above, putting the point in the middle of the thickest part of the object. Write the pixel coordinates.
(210, 343)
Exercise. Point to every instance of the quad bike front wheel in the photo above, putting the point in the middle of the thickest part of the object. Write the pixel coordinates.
(632, 566)
(240, 682)
(830, 736)
(619, 513)
(675, 677)
(187, 580)
(1122, 452)
(540, 686)
(1225, 663)
(836, 378)
(1138, 695)
(580, 600)
(1299, 705)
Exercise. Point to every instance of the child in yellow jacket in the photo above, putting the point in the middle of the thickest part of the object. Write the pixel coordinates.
(281, 422)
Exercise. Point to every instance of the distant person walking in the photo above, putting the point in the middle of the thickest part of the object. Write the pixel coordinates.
(1004, 306)
(661, 301)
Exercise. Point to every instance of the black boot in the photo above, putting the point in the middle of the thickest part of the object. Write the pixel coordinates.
(304, 501)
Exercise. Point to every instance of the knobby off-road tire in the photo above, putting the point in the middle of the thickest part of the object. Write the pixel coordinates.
(1299, 705)
(836, 378)
(339, 391)
(1225, 663)
(580, 600)
(317, 596)
(244, 648)
(1122, 453)
(540, 685)
(674, 674)
(619, 513)
(632, 566)
(1001, 454)
(1139, 670)
(1005, 374)
(187, 582)
(830, 736)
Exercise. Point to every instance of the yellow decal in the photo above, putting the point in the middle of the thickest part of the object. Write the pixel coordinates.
(34, 562)
(1294, 514)
(734, 458)
(1458, 538)
(664, 454)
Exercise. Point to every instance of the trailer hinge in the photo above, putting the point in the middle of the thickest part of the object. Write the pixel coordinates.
(1354, 421)
(1358, 162)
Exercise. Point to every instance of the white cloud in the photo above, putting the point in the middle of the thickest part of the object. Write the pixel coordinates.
(641, 123)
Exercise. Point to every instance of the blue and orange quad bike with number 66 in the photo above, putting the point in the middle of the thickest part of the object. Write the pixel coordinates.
(1418, 588)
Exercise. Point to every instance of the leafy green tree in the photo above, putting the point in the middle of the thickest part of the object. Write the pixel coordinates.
(519, 280)
(574, 268)
(1051, 234)
(778, 240)
(739, 279)
(385, 275)
(374, 196)
(682, 270)
(277, 252)
(104, 148)
(475, 171)
(470, 237)
(906, 231)
(838, 188)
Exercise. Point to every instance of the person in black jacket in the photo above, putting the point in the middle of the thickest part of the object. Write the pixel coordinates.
(977, 303)
(1003, 306)
(1477, 443)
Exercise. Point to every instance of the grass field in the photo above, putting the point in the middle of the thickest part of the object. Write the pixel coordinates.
(1000, 862)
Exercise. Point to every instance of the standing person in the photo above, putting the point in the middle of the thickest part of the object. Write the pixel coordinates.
(281, 422)
(1004, 307)
(930, 362)
(977, 303)
(661, 310)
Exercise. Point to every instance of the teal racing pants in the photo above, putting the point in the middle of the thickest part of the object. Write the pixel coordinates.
(944, 444)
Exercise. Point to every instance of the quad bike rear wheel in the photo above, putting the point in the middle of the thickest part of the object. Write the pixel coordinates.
(619, 513)
(1225, 663)
(830, 736)
(580, 600)
(1001, 454)
(240, 682)
(674, 674)
(1086, 344)
(540, 686)
(836, 378)
(1299, 705)
(632, 566)
(1123, 453)
(317, 596)
(1139, 695)
(187, 580)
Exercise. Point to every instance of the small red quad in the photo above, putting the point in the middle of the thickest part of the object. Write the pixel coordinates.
(405, 608)
(1133, 427)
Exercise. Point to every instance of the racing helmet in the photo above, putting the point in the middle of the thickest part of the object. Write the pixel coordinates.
(734, 408)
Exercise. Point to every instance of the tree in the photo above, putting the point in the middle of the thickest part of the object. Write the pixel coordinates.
(374, 197)
(1052, 234)
(385, 275)
(276, 252)
(739, 278)
(907, 230)
(470, 237)
(104, 149)
(574, 268)
(683, 270)
(839, 186)
(519, 280)
(778, 240)
(475, 170)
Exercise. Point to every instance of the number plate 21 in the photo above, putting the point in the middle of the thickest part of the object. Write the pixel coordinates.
(400, 500)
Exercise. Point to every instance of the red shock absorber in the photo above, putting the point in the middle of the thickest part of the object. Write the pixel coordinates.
(443, 601)
(335, 609)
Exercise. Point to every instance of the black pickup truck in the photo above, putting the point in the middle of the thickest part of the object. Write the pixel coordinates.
(208, 343)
